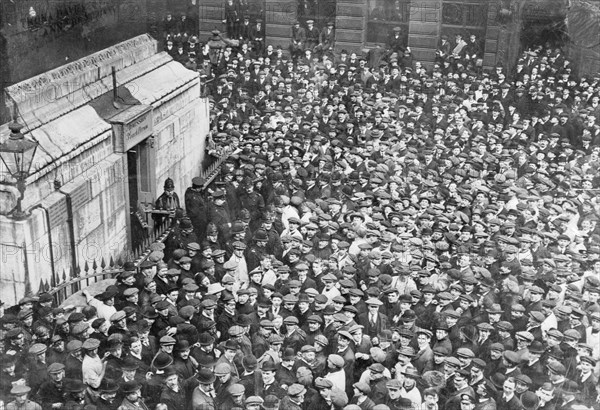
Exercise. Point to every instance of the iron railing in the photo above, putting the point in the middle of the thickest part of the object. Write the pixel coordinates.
(63, 285)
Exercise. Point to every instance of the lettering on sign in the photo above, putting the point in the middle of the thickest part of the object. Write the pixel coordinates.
(141, 126)
(132, 126)
(58, 213)
(80, 195)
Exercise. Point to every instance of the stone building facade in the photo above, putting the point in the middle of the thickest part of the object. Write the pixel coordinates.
(99, 163)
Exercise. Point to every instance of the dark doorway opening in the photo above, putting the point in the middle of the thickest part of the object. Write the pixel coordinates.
(141, 172)
(552, 32)
(137, 232)
(321, 11)
(133, 178)
(544, 23)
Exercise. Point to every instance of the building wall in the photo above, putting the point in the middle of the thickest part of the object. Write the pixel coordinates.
(86, 220)
(30, 251)
(583, 22)
(180, 139)
(31, 46)
(91, 230)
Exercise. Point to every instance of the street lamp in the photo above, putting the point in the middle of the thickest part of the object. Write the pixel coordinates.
(17, 154)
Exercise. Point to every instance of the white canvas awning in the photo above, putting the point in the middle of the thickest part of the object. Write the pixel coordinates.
(160, 82)
(65, 135)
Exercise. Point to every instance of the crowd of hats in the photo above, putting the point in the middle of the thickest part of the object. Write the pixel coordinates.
(423, 235)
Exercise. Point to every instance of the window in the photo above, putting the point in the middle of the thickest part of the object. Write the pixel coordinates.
(465, 17)
(384, 16)
(464, 14)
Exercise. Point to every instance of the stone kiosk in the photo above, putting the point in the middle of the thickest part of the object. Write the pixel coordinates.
(98, 160)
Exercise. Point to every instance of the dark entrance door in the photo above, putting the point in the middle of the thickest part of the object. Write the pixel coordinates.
(383, 17)
(137, 232)
(464, 17)
(141, 189)
(256, 10)
(544, 22)
(321, 11)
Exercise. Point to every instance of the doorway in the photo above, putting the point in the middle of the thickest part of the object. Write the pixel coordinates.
(542, 31)
(544, 23)
(321, 11)
(141, 175)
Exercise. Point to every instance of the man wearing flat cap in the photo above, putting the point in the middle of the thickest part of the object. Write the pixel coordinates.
(360, 396)
(294, 399)
(327, 38)
(312, 35)
(234, 397)
(103, 302)
(260, 338)
(587, 380)
(346, 352)
(335, 371)
(394, 399)
(21, 399)
(294, 337)
(196, 206)
(253, 202)
(51, 392)
(254, 403)
(37, 373)
(93, 366)
(307, 357)
(297, 40)
(218, 214)
(423, 359)
(8, 375)
(467, 402)
(461, 386)
(373, 321)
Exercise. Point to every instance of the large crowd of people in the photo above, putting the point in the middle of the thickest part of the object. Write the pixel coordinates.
(381, 235)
